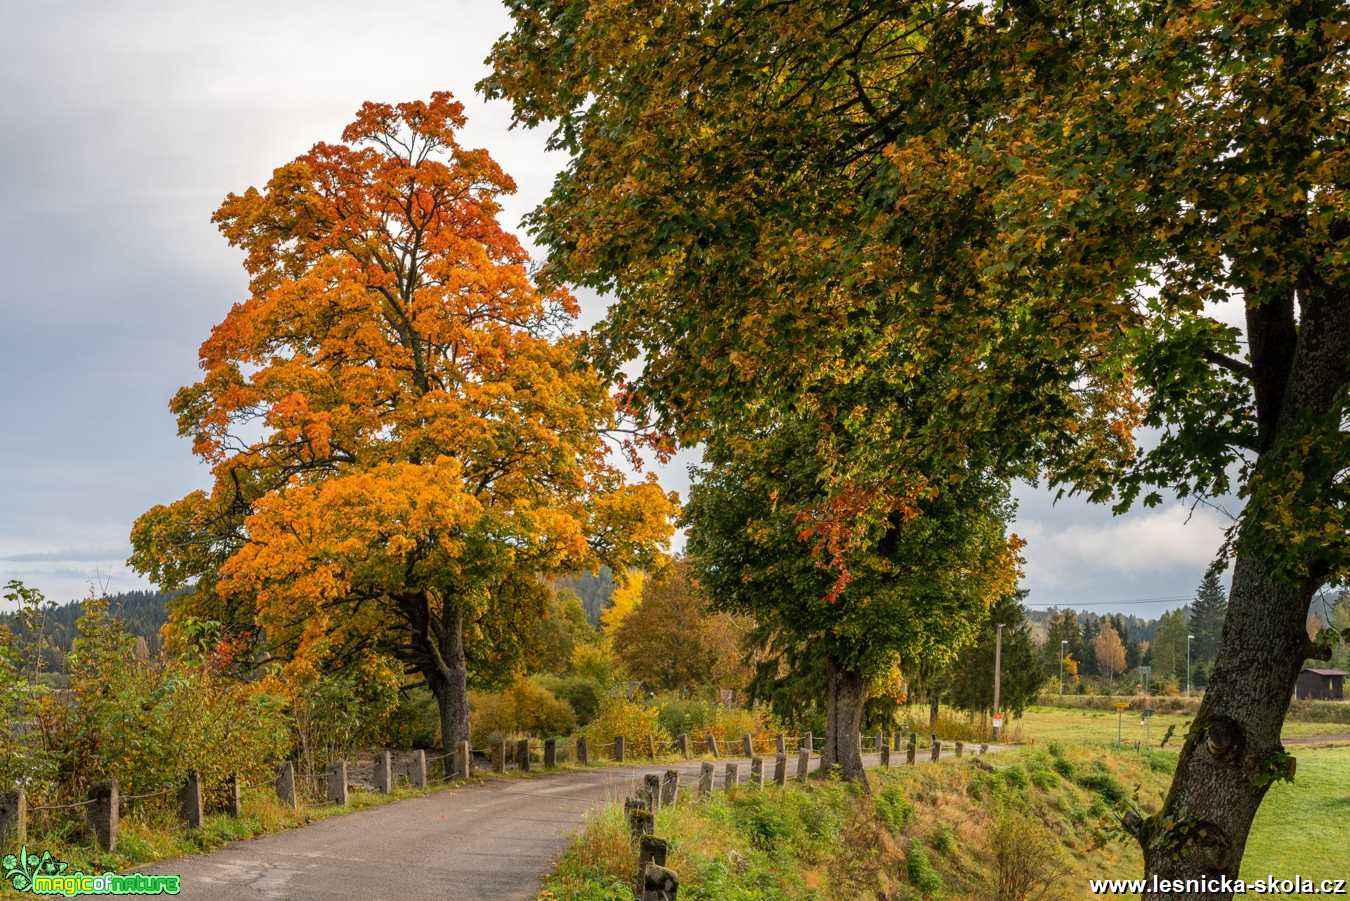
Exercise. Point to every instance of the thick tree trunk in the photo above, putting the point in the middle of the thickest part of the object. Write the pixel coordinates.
(449, 683)
(845, 695)
(1232, 753)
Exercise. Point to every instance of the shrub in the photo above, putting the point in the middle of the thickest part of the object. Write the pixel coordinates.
(619, 716)
(415, 722)
(894, 808)
(944, 841)
(759, 818)
(1015, 776)
(582, 692)
(1026, 856)
(1103, 784)
(525, 707)
(920, 871)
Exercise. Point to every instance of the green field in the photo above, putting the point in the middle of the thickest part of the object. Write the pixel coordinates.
(1073, 725)
(1300, 828)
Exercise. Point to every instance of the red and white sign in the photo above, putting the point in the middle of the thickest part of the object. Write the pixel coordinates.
(998, 721)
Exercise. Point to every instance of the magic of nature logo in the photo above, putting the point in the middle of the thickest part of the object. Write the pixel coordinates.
(46, 875)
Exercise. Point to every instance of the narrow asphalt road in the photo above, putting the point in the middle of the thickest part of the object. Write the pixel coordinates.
(494, 840)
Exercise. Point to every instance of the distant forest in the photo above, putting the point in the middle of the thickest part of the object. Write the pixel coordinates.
(143, 612)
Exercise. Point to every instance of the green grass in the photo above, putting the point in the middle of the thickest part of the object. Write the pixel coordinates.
(1300, 828)
(1067, 725)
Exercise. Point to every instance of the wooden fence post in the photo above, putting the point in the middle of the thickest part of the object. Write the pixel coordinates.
(881, 742)
(670, 787)
(780, 770)
(651, 747)
(959, 747)
(651, 852)
(104, 813)
(808, 742)
(13, 818)
(337, 784)
(583, 751)
(885, 754)
(639, 819)
(757, 772)
(733, 776)
(705, 780)
(499, 756)
(747, 745)
(234, 800)
(417, 770)
(897, 738)
(190, 800)
(912, 747)
(937, 749)
(286, 784)
(523, 755)
(550, 753)
(463, 760)
(618, 748)
(384, 773)
(651, 791)
(780, 743)
(682, 745)
(712, 745)
(803, 763)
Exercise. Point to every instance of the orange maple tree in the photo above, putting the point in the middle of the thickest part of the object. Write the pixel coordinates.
(402, 435)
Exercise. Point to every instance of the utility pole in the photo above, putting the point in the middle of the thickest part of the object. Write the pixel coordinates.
(1188, 665)
(1063, 644)
(998, 675)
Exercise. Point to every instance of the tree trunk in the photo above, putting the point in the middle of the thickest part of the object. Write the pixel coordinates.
(845, 695)
(449, 682)
(1232, 752)
(934, 699)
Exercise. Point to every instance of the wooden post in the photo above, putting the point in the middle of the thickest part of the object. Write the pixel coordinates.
(417, 770)
(499, 756)
(583, 751)
(464, 760)
(984, 749)
(937, 749)
(651, 747)
(747, 745)
(670, 787)
(959, 746)
(911, 747)
(885, 754)
(103, 814)
(639, 819)
(897, 738)
(659, 884)
(808, 742)
(384, 773)
(733, 776)
(712, 745)
(618, 748)
(651, 850)
(780, 743)
(523, 755)
(757, 772)
(234, 800)
(337, 784)
(682, 745)
(550, 753)
(190, 800)
(780, 770)
(286, 784)
(705, 779)
(803, 764)
(881, 742)
(651, 791)
(13, 818)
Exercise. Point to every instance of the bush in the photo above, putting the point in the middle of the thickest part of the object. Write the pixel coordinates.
(582, 692)
(759, 818)
(1104, 784)
(920, 871)
(525, 707)
(1026, 856)
(619, 716)
(894, 808)
(415, 722)
(944, 841)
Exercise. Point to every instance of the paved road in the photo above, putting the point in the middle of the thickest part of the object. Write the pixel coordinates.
(490, 841)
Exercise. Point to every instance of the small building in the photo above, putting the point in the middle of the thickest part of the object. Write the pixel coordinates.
(1318, 684)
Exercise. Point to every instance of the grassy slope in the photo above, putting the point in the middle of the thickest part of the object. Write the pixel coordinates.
(1066, 725)
(923, 827)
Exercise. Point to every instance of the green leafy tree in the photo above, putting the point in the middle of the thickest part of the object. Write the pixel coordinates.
(919, 591)
(1168, 648)
(1062, 638)
(968, 681)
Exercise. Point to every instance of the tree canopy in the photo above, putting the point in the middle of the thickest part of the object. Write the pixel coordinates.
(403, 439)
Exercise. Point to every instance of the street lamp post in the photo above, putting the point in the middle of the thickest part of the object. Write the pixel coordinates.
(1063, 642)
(1188, 665)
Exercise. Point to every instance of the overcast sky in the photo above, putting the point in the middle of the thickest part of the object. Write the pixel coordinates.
(127, 123)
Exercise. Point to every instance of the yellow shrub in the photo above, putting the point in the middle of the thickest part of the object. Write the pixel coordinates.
(525, 707)
(633, 721)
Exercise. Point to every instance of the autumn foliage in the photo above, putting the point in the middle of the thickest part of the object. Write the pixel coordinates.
(402, 435)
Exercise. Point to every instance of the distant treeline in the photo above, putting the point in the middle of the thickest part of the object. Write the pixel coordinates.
(143, 612)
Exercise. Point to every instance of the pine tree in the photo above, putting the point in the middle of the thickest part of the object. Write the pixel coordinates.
(1207, 615)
